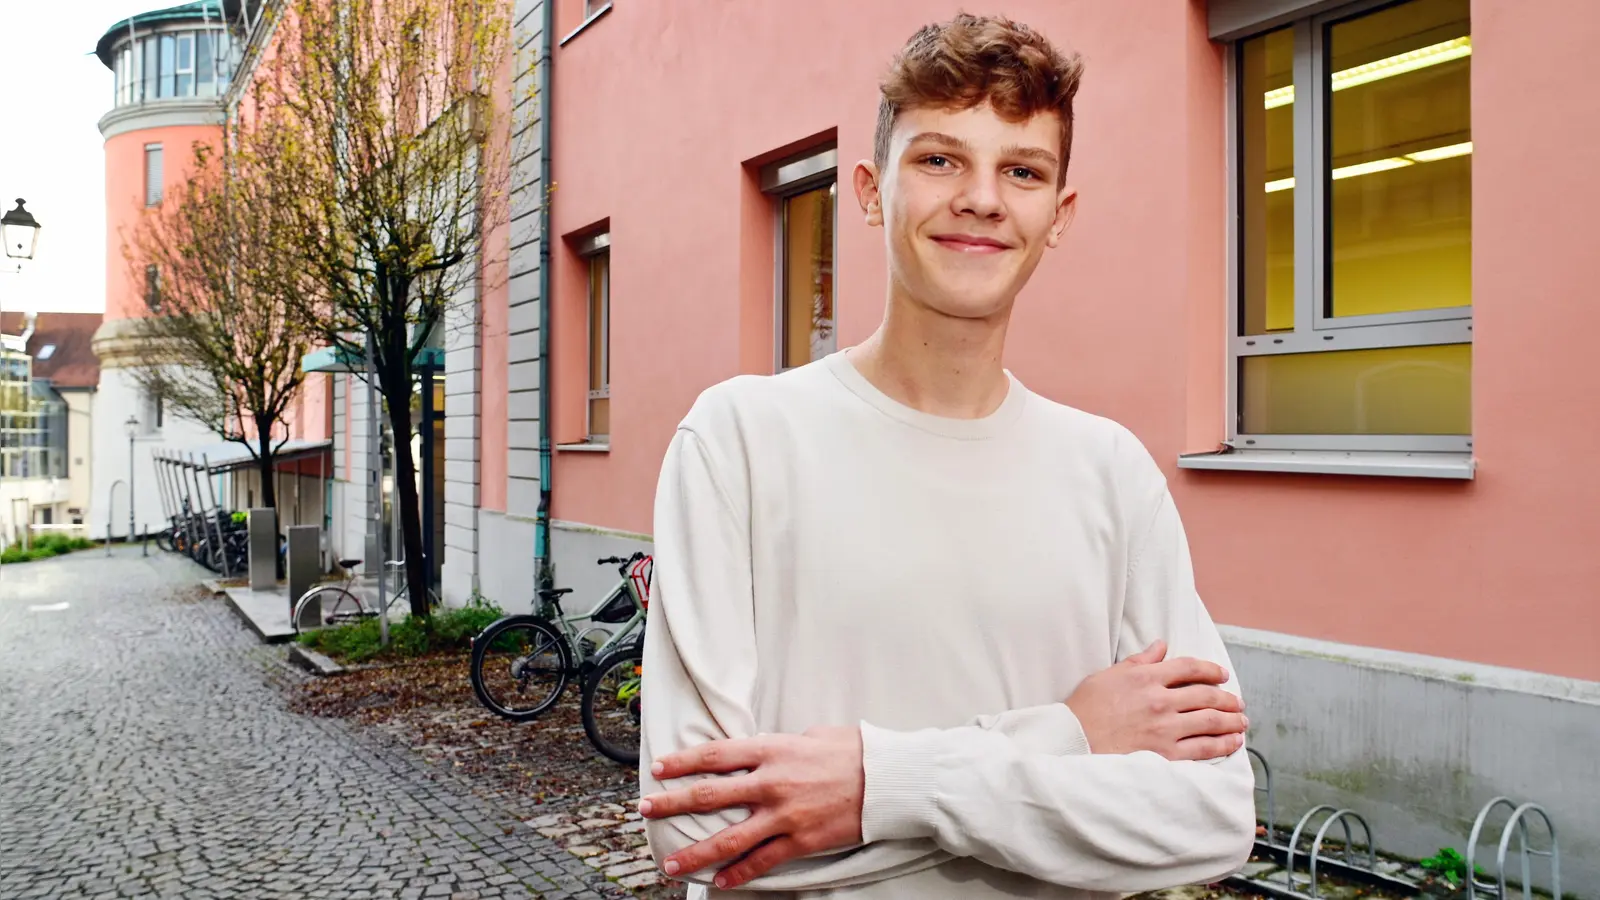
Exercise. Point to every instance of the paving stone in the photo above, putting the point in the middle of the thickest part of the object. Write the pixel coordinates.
(633, 867)
(642, 880)
(149, 752)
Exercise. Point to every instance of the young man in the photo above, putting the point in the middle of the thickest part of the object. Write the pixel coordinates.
(916, 631)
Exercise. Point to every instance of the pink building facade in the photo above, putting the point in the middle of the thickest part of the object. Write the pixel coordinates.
(1327, 264)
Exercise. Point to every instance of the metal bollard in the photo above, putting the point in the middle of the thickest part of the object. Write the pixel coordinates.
(144, 540)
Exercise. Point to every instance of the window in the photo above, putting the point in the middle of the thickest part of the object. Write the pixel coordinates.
(152, 174)
(152, 288)
(805, 192)
(174, 64)
(45, 352)
(1353, 231)
(597, 251)
(185, 67)
(152, 413)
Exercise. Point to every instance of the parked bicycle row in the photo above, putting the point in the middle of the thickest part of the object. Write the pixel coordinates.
(521, 665)
(197, 524)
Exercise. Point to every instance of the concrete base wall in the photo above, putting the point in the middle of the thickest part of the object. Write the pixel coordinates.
(573, 550)
(506, 548)
(507, 545)
(1417, 745)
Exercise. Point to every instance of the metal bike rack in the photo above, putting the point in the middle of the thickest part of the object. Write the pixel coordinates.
(1519, 821)
(1272, 803)
(1343, 817)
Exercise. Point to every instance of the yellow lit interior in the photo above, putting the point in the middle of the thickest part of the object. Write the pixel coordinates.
(599, 377)
(807, 275)
(1397, 390)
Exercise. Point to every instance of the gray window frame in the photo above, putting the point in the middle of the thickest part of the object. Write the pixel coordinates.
(782, 180)
(1314, 330)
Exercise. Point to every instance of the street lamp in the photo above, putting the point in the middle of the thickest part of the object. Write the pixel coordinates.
(133, 430)
(21, 232)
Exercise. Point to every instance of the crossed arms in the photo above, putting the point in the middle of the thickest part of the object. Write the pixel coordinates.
(1137, 781)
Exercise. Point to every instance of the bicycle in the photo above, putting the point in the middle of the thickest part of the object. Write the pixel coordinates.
(521, 664)
(611, 701)
(334, 603)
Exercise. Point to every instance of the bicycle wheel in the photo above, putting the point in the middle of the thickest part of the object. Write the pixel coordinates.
(611, 703)
(520, 666)
(328, 604)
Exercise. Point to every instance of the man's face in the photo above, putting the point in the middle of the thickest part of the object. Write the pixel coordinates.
(969, 203)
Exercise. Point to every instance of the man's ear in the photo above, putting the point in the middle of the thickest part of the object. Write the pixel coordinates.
(1066, 208)
(868, 192)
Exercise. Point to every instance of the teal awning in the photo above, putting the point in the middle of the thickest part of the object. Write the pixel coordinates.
(333, 359)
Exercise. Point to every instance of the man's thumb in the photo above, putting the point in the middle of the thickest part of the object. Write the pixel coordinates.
(1156, 652)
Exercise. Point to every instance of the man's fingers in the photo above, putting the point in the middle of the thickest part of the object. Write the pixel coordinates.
(1200, 696)
(725, 846)
(1201, 749)
(1151, 654)
(713, 757)
(1188, 670)
(704, 796)
(759, 862)
(1211, 723)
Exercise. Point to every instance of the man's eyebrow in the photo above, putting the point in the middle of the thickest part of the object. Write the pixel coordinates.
(1036, 154)
(941, 139)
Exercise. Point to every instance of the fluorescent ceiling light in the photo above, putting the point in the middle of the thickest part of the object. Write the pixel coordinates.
(1432, 154)
(1437, 153)
(1367, 168)
(1388, 67)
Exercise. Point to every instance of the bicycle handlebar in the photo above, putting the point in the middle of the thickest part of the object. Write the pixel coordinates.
(619, 561)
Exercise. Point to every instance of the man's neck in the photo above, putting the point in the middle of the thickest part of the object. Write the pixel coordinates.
(937, 364)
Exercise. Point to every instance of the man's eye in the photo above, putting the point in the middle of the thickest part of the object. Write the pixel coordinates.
(937, 161)
(1024, 173)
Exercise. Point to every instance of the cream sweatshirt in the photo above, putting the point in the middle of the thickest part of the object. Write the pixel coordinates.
(826, 555)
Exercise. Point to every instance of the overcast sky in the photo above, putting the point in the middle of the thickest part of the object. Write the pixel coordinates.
(52, 92)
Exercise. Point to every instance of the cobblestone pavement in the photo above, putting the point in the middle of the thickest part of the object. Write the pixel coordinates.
(144, 751)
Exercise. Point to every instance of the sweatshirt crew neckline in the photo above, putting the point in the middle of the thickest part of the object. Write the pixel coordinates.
(978, 429)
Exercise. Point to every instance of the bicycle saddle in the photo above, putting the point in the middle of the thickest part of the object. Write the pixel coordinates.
(349, 563)
(554, 593)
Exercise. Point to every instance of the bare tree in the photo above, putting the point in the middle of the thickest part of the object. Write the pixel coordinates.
(391, 135)
(221, 345)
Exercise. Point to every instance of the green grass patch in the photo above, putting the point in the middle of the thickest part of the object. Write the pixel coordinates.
(43, 547)
(449, 628)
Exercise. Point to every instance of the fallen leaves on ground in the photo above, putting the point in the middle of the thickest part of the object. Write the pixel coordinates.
(530, 768)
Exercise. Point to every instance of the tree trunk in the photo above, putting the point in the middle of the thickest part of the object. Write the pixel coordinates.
(398, 394)
(269, 486)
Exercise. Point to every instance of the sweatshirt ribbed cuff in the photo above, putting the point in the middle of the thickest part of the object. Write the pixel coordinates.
(900, 774)
(1076, 743)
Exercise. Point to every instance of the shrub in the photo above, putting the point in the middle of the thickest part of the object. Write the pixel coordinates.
(43, 547)
(447, 629)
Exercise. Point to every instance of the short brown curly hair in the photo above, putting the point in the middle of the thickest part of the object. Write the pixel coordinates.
(972, 59)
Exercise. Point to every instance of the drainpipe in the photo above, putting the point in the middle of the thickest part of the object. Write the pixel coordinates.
(541, 525)
(28, 319)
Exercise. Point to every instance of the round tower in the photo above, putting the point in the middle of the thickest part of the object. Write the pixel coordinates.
(171, 68)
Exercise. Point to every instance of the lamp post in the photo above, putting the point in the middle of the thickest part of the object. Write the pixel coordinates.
(133, 429)
(21, 231)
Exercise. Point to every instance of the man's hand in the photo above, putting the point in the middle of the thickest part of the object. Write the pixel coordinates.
(1167, 706)
(803, 792)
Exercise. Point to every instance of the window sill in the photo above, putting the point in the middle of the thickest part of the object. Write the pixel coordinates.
(1452, 466)
(584, 448)
(585, 24)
